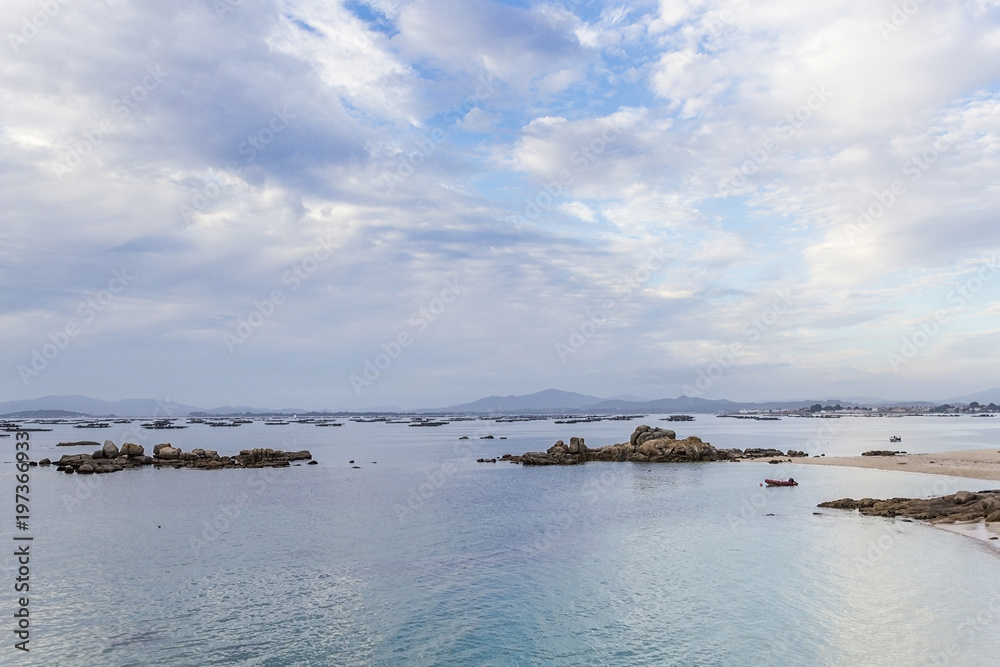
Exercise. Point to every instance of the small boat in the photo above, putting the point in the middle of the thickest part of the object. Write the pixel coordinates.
(895, 438)
(781, 482)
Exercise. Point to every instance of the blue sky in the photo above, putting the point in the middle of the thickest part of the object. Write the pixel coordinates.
(330, 205)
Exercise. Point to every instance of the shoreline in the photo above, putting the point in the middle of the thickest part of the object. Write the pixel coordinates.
(968, 463)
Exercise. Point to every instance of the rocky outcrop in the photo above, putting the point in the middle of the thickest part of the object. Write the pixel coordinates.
(646, 445)
(881, 452)
(110, 459)
(80, 443)
(963, 506)
(758, 453)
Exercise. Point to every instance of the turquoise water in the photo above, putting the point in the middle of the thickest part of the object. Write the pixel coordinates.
(429, 558)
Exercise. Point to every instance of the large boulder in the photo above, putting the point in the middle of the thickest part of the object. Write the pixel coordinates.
(132, 449)
(110, 450)
(643, 433)
(167, 453)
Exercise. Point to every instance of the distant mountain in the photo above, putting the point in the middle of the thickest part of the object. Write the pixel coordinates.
(547, 400)
(556, 401)
(132, 407)
(631, 398)
(984, 397)
(44, 414)
(693, 404)
(247, 410)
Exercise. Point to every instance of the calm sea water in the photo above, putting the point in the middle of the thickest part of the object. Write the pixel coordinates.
(429, 558)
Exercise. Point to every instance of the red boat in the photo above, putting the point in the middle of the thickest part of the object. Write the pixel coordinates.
(781, 482)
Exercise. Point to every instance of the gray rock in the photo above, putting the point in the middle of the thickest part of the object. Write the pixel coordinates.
(167, 452)
(110, 450)
(132, 449)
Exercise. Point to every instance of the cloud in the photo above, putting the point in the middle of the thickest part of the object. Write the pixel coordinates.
(538, 152)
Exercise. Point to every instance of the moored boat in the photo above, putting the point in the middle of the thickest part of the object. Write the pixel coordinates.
(781, 482)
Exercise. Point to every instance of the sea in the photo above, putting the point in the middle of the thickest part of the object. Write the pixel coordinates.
(399, 548)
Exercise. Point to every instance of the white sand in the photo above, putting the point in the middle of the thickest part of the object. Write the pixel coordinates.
(972, 463)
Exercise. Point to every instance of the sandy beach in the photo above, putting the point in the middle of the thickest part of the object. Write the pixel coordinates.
(970, 463)
(973, 463)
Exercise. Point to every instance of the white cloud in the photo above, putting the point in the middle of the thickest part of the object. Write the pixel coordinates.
(742, 137)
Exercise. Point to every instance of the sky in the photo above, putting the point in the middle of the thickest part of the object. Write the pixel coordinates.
(416, 203)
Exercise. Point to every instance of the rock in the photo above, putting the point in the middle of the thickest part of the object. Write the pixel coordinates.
(961, 506)
(647, 444)
(80, 443)
(963, 497)
(157, 448)
(313, 463)
(132, 449)
(537, 459)
(881, 452)
(842, 504)
(166, 452)
(759, 453)
(651, 434)
(110, 450)
(45, 462)
(993, 517)
(85, 469)
(796, 454)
